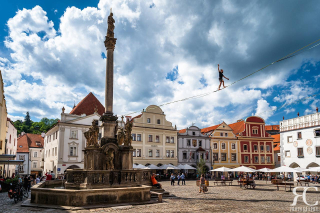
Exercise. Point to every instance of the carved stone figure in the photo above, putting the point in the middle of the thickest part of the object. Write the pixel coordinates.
(110, 159)
(92, 134)
(111, 21)
(121, 136)
(128, 135)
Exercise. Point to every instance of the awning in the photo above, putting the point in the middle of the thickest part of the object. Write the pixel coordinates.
(7, 157)
(11, 162)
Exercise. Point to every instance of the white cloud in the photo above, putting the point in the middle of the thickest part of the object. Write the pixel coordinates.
(289, 110)
(264, 110)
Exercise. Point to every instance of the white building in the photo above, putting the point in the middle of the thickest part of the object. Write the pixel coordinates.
(192, 146)
(30, 149)
(300, 141)
(11, 144)
(64, 143)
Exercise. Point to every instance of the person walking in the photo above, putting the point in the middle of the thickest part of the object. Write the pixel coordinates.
(172, 179)
(183, 179)
(178, 177)
(202, 184)
(221, 76)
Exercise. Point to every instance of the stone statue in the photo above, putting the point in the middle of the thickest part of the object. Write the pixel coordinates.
(121, 136)
(111, 21)
(128, 135)
(110, 159)
(92, 134)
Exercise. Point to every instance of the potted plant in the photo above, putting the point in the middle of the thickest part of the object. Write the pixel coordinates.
(201, 169)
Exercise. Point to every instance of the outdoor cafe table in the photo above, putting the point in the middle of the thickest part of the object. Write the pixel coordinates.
(246, 183)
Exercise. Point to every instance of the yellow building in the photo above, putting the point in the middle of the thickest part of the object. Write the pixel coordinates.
(154, 139)
(3, 118)
(224, 146)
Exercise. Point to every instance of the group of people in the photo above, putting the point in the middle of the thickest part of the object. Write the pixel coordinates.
(179, 177)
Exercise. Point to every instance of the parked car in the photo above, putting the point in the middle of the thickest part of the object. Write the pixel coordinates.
(301, 177)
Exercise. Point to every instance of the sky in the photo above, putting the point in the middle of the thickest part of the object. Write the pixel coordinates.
(52, 55)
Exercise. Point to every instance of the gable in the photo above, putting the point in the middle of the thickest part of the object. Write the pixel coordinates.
(86, 120)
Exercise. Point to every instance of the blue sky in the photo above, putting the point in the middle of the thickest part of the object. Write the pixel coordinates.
(52, 55)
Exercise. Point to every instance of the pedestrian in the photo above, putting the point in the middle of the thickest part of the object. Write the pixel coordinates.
(202, 184)
(53, 175)
(183, 179)
(221, 76)
(37, 180)
(172, 179)
(178, 177)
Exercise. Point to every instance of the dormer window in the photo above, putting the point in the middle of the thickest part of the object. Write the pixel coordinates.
(148, 120)
(255, 130)
(158, 121)
(38, 143)
(193, 133)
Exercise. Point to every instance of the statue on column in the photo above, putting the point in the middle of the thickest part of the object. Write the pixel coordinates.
(128, 135)
(92, 134)
(110, 159)
(110, 32)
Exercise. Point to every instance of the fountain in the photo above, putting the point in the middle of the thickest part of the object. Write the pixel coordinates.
(107, 177)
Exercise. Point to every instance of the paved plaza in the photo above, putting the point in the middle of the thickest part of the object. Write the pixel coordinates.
(187, 198)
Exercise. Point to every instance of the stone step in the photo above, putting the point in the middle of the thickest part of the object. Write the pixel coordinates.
(165, 193)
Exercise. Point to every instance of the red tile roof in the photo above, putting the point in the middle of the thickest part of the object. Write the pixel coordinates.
(208, 129)
(29, 140)
(237, 127)
(276, 138)
(182, 130)
(276, 147)
(87, 106)
(272, 127)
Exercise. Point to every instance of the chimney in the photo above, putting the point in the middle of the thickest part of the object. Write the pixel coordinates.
(23, 133)
(298, 114)
(317, 109)
(43, 134)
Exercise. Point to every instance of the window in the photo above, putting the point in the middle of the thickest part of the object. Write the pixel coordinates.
(134, 137)
(245, 147)
(256, 159)
(55, 151)
(215, 156)
(168, 153)
(299, 136)
(73, 134)
(268, 148)
(14, 142)
(138, 152)
(188, 142)
(157, 153)
(184, 156)
(192, 155)
(35, 154)
(56, 134)
(21, 168)
(34, 165)
(318, 151)
(268, 159)
(148, 120)
(300, 153)
(223, 146)
(150, 138)
(200, 143)
(172, 153)
(73, 151)
(287, 154)
(317, 133)
(157, 138)
(226, 134)
(150, 152)
(172, 139)
(167, 139)
(255, 131)
(262, 159)
(49, 153)
(221, 134)
(138, 137)
(279, 158)
(233, 146)
(262, 148)
(246, 159)
(255, 148)
(201, 156)
(158, 121)
(289, 139)
(233, 157)
(134, 153)
(52, 151)
(21, 157)
(215, 146)
(223, 156)
(193, 133)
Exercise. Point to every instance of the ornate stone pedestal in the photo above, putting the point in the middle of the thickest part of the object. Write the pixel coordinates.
(92, 158)
(126, 157)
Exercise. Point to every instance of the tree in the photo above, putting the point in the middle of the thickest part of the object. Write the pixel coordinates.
(27, 120)
(201, 167)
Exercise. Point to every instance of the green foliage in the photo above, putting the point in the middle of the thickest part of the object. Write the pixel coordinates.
(28, 126)
(13, 181)
(201, 167)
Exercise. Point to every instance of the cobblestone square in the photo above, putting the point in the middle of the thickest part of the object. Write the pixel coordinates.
(187, 198)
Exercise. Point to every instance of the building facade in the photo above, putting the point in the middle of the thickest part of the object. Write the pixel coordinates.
(154, 139)
(3, 119)
(11, 144)
(256, 145)
(193, 146)
(276, 149)
(300, 141)
(64, 143)
(224, 146)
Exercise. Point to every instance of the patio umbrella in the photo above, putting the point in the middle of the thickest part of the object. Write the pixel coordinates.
(168, 166)
(139, 166)
(151, 166)
(186, 166)
(284, 169)
(242, 169)
(180, 166)
(221, 169)
(264, 170)
(313, 169)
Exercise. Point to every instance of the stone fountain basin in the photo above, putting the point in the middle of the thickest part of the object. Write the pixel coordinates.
(42, 193)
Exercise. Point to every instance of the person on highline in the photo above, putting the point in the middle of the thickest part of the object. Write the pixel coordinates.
(221, 76)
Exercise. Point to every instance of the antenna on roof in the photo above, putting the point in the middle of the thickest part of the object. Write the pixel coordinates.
(74, 104)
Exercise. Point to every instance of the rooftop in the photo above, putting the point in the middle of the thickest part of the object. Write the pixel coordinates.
(29, 140)
(87, 106)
